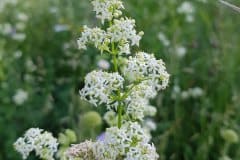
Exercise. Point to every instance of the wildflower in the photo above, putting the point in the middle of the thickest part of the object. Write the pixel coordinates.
(22, 16)
(163, 39)
(188, 10)
(94, 36)
(123, 30)
(146, 66)
(19, 36)
(103, 64)
(107, 9)
(129, 141)
(60, 28)
(20, 97)
(111, 118)
(180, 51)
(43, 143)
(99, 86)
(196, 92)
(229, 135)
(83, 150)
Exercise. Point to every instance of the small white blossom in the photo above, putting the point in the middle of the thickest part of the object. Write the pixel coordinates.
(196, 92)
(20, 26)
(6, 28)
(22, 16)
(111, 118)
(83, 150)
(123, 30)
(107, 9)
(175, 92)
(94, 36)
(130, 141)
(180, 51)
(19, 36)
(165, 41)
(146, 66)
(124, 48)
(20, 97)
(150, 124)
(185, 95)
(61, 28)
(188, 10)
(43, 143)
(4, 3)
(103, 64)
(18, 54)
(99, 86)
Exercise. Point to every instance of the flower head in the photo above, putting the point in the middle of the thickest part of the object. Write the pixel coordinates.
(99, 86)
(146, 67)
(107, 9)
(43, 143)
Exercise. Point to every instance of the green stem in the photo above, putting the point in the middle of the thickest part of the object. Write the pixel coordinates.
(115, 64)
(120, 116)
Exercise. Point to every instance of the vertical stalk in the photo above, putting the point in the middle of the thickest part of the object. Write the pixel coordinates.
(115, 64)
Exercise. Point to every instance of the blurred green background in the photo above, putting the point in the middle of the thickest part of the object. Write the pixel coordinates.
(41, 71)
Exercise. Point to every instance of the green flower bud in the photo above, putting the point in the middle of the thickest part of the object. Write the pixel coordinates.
(67, 137)
(91, 119)
(229, 135)
(225, 158)
(71, 135)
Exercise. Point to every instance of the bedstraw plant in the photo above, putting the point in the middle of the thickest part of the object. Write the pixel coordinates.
(125, 90)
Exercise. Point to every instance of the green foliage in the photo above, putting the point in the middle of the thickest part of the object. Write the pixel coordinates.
(49, 68)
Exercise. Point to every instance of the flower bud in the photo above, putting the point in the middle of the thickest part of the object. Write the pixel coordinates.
(229, 135)
(91, 119)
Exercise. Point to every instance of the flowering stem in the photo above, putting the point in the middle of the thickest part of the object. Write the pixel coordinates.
(115, 64)
(120, 116)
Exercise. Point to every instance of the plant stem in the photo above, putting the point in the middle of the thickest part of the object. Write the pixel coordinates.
(115, 64)
(120, 116)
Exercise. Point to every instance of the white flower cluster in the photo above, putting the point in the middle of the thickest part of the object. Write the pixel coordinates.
(83, 150)
(146, 67)
(94, 36)
(107, 9)
(20, 97)
(138, 101)
(99, 86)
(4, 3)
(129, 142)
(43, 143)
(122, 31)
(195, 92)
(188, 10)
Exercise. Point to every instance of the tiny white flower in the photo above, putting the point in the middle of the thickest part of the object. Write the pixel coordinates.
(163, 39)
(107, 9)
(18, 54)
(43, 143)
(103, 64)
(19, 36)
(60, 28)
(20, 97)
(196, 92)
(22, 16)
(146, 66)
(186, 8)
(185, 95)
(180, 51)
(99, 87)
